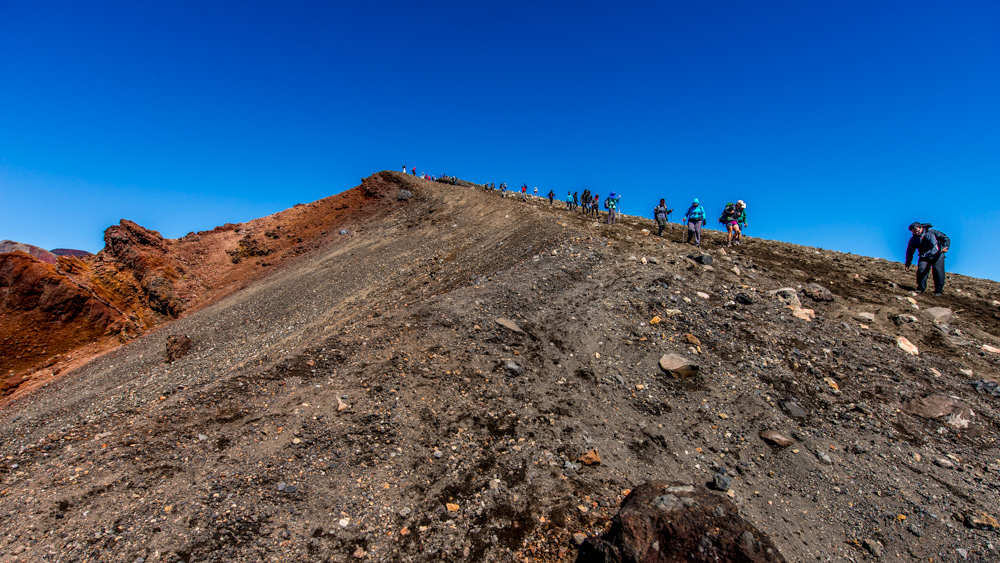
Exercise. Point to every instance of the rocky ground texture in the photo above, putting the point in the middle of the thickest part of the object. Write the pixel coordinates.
(460, 377)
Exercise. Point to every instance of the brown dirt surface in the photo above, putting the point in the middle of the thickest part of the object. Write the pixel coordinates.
(353, 397)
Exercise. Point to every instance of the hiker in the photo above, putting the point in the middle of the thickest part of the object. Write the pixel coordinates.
(503, 190)
(414, 170)
(695, 218)
(585, 201)
(404, 169)
(611, 204)
(930, 246)
(734, 215)
(552, 196)
(660, 214)
(576, 200)
(524, 192)
(569, 201)
(595, 203)
(536, 191)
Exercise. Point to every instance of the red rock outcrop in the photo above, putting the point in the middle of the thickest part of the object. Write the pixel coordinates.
(44, 314)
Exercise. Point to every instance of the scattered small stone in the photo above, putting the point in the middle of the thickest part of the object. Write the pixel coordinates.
(702, 294)
(721, 482)
(794, 410)
(943, 462)
(870, 317)
(824, 457)
(776, 438)
(404, 195)
(692, 339)
(873, 546)
(438, 454)
(956, 413)
(653, 260)
(736, 270)
(817, 292)
(744, 299)
(405, 511)
(507, 323)
(344, 231)
(991, 349)
(178, 346)
(986, 387)
(513, 368)
(591, 458)
(939, 315)
(981, 521)
(360, 553)
(281, 486)
(703, 259)
(788, 296)
(915, 530)
(451, 507)
(962, 553)
(677, 366)
(202, 437)
(907, 346)
(579, 538)
(344, 522)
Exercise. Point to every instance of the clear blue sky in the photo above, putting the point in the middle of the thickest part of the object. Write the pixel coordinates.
(838, 122)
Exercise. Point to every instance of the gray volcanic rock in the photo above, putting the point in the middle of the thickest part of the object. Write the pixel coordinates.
(672, 522)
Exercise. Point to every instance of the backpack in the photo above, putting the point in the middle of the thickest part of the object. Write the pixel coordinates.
(660, 212)
(609, 203)
(728, 214)
(943, 240)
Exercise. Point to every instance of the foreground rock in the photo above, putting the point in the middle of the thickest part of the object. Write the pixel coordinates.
(677, 366)
(671, 522)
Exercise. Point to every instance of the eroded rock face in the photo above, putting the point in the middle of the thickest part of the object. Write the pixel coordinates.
(36, 303)
(128, 242)
(671, 522)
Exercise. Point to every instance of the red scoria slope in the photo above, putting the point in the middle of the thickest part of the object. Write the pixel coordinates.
(56, 316)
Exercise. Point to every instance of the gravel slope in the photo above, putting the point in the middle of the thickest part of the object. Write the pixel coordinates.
(364, 402)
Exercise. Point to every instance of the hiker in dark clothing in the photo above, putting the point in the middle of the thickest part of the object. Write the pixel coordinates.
(930, 246)
(660, 214)
(552, 196)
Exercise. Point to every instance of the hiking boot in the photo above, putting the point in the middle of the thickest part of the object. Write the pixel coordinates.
(938, 293)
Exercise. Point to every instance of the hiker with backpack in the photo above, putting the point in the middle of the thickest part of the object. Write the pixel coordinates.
(930, 246)
(552, 196)
(695, 218)
(733, 216)
(660, 215)
(611, 204)
(595, 206)
(585, 201)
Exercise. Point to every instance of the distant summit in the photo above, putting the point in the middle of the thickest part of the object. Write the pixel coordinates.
(37, 252)
(70, 252)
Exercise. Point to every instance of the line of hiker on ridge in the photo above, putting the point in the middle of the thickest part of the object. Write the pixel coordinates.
(928, 244)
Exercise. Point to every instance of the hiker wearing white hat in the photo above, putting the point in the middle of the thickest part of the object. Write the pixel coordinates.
(733, 217)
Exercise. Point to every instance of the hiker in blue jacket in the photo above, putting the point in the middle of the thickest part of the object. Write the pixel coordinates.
(930, 246)
(695, 218)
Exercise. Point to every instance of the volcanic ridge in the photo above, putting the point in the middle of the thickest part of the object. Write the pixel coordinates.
(415, 370)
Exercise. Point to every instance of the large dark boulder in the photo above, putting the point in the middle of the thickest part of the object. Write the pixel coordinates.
(662, 522)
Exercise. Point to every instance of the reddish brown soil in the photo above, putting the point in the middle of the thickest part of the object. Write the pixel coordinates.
(56, 317)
